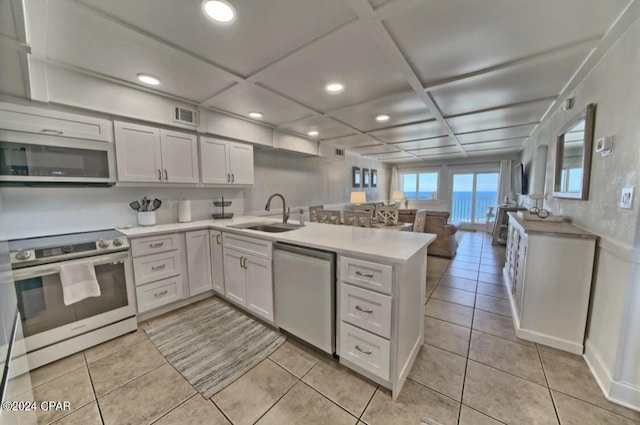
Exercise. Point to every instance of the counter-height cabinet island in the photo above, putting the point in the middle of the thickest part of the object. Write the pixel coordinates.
(379, 287)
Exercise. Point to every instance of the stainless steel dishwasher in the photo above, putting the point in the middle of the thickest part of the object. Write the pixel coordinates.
(304, 280)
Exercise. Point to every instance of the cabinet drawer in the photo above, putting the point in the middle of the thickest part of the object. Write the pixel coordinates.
(366, 350)
(366, 274)
(155, 267)
(252, 246)
(154, 244)
(159, 293)
(366, 309)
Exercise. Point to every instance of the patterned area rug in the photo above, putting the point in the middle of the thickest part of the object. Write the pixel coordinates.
(212, 344)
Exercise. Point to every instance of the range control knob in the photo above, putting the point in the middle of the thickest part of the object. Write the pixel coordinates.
(23, 255)
(118, 242)
(104, 243)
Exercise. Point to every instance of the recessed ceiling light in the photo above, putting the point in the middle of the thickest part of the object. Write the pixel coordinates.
(382, 118)
(255, 114)
(334, 87)
(149, 79)
(313, 133)
(219, 10)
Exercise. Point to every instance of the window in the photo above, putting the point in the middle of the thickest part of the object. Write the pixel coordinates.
(420, 186)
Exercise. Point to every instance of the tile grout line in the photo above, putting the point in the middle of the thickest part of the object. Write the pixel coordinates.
(466, 363)
(544, 372)
(175, 407)
(368, 403)
(93, 388)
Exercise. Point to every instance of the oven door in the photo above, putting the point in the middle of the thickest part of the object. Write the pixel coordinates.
(47, 320)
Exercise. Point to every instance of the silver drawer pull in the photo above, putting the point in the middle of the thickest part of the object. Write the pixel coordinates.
(160, 267)
(159, 294)
(367, 352)
(51, 131)
(359, 273)
(364, 310)
(156, 245)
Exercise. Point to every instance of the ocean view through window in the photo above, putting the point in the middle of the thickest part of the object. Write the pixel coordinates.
(420, 186)
(472, 196)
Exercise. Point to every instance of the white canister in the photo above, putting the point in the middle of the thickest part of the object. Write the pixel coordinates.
(146, 218)
(184, 211)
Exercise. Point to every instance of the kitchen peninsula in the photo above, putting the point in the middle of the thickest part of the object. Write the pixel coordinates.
(378, 335)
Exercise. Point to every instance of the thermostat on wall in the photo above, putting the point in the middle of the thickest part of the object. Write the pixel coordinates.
(604, 145)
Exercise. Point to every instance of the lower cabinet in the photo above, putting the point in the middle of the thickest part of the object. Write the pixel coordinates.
(248, 275)
(198, 261)
(217, 261)
(548, 272)
(158, 268)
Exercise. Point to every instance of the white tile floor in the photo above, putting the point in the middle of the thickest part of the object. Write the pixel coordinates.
(472, 370)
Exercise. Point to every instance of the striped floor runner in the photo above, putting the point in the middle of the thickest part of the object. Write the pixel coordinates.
(213, 344)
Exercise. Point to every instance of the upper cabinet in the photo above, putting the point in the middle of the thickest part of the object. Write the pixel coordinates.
(151, 155)
(54, 123)
(225, 162)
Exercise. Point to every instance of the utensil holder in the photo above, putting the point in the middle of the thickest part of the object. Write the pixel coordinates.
(146, 218)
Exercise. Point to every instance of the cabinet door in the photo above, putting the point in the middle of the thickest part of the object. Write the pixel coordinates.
(259, 283)
(198, 261)
(241, 163)
(217, 270)
(234, 279)
(179, 157)
(518, 279)
(214, 161)
(45, 121)
(138, 153)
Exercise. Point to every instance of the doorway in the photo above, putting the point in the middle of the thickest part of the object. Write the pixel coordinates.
(471, 196)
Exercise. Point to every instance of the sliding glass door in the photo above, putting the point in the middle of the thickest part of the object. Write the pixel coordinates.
(472, 195)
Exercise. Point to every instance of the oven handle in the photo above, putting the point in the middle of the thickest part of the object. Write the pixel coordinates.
(48, 269)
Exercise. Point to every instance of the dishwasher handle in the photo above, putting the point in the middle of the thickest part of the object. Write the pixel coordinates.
(308, 252)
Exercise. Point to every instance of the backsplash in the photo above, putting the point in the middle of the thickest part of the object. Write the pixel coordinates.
(36, 211)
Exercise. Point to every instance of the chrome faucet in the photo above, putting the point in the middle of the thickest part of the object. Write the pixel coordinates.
(285, 210)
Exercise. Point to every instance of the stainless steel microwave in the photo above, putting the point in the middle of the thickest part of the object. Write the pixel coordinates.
(34, 159)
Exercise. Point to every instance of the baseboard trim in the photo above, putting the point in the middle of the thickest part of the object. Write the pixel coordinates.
(617, 392)
(597, 367)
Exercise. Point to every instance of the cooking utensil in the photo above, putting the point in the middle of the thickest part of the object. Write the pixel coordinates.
(135, 205)
(145, 204)
(156, 204)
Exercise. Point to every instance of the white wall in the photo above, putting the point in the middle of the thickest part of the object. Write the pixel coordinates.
(613, 335)
(33, 211)
(308, 181)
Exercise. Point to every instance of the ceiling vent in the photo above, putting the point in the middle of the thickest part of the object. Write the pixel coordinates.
(185, 116)
(339, 152)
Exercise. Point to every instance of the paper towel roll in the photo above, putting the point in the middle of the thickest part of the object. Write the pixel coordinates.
(184, 211)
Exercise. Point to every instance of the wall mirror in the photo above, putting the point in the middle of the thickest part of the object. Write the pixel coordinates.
(573, 157)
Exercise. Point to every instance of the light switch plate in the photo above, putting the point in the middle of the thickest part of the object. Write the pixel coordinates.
(626, 199)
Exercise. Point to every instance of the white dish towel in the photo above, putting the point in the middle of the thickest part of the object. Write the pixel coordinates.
(79, 281)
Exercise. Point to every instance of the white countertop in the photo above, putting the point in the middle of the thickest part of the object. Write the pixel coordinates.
(552, 228)
(376, 244)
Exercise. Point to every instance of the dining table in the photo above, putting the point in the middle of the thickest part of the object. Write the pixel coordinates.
(401, 227)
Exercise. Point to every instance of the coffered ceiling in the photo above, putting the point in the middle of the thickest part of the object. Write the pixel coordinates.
(457, 78)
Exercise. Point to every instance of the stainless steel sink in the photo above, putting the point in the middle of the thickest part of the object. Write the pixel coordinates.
(268, 227)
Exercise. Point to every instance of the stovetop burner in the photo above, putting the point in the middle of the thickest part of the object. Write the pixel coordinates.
(47, 249)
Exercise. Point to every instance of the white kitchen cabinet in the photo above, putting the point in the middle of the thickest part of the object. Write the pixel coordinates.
(380, 319)
(198, 261)
(46, 121)
(217, 261)
(248, 274)
(235, 288)
(225, 162)
(259, 281)
(548, 274)
(179, 156)
(158, 268)
(151, 155)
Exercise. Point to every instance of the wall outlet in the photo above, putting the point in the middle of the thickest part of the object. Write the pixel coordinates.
(626, 199)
